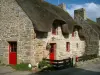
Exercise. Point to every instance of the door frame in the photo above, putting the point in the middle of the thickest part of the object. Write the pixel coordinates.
(54, 51)
(10, 51)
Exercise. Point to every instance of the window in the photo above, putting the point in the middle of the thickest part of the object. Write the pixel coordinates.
(39, 34)
(13, 46)
(72, 34)
(68, 46)
(55, 27)
(54, 31)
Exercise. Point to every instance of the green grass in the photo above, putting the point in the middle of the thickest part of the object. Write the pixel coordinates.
(21, 67)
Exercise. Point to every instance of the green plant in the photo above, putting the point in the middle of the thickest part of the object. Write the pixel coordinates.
(21, 67)
(43, 64)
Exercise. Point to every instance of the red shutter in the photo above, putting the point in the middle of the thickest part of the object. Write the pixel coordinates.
(67, 46)
(72, 34)
(54, 31)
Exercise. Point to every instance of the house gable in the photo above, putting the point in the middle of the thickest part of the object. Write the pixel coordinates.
(15, 26)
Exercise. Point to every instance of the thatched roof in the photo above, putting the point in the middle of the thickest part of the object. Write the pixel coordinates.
(43, 14)
(94, 25)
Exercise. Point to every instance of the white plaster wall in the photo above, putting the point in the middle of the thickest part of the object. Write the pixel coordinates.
(60, 41)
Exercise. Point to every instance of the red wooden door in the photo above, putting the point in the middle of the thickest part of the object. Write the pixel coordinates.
(52, 51)
(13, 53)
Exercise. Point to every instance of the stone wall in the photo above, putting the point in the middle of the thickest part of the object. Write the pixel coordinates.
(74, 49)
(60, 52)
(15, 26)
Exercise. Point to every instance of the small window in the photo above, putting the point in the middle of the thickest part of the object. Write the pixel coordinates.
(68, 46)
(72, 34)
(53, 31)
(13, 46)
(54, 28)
(39, 34)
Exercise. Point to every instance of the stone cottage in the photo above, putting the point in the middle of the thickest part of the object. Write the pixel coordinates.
(34, 29)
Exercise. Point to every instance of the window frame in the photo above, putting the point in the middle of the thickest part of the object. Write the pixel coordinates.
(13, 46)
(68, 46)
(54, 31)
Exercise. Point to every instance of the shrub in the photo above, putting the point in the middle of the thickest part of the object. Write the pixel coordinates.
(43, 64)
(21, 67)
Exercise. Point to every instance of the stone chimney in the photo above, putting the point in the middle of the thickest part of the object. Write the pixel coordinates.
(63, 6)
(80, 13)
(98, 20)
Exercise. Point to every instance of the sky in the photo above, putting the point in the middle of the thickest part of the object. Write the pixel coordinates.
(92, 7)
